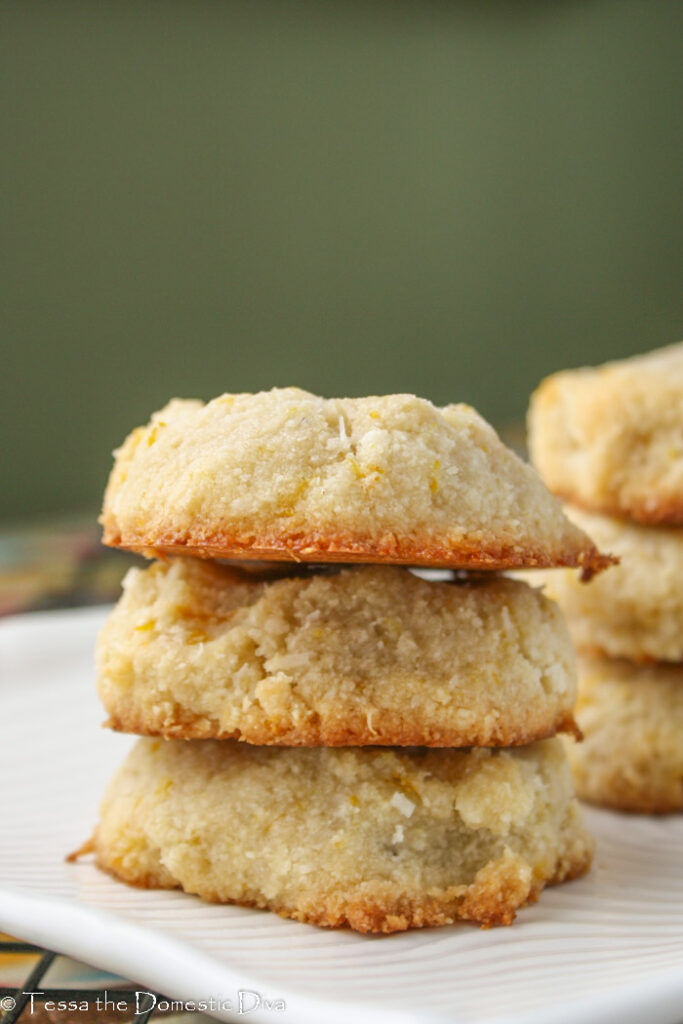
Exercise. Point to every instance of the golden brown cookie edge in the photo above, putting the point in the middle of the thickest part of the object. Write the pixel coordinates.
(350, 548)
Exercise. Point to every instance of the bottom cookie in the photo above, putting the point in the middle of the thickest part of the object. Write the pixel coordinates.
(380, 839)
(631, 717)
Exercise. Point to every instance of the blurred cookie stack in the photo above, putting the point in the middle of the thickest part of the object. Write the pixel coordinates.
(366, 747)
(609, 441)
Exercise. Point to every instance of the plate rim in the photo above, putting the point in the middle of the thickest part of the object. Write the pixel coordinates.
(87, 931)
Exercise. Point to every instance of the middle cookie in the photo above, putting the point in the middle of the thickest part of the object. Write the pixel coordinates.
(369, 655)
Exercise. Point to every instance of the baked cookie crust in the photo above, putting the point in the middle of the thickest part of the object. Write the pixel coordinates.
(631, 716)
(366, 655)
(285, 475)
(610, 438)
(378, 840)
(635, 610)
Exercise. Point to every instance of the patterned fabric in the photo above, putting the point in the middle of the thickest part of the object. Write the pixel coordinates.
(60, 565)
(94, 991)
(63, 565)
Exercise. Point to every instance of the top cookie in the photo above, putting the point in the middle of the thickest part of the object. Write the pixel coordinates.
(283, 474)
(611, 438)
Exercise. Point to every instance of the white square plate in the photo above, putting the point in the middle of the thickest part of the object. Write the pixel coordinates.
(608, 947)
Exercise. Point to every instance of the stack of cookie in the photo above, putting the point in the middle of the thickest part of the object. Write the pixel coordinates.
(610, 442)
(341, 743)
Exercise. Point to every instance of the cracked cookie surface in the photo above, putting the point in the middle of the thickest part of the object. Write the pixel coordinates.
(631, 716)
(364, 655)
(635, 610)
(380, 840)
(610, 438)
(286, 475)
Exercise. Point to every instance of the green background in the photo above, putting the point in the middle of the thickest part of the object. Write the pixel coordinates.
(357, 197)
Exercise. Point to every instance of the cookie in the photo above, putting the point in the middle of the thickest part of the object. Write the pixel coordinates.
(285, 475)
(364, 655)
(635, 610)
(381, 840)
(611, 438)
(632, 720)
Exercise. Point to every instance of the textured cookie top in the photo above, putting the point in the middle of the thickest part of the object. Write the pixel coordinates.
(284, 474)
(632, 720)
(378, 839)
(636, 609)
(366, 655)
(611, 438)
